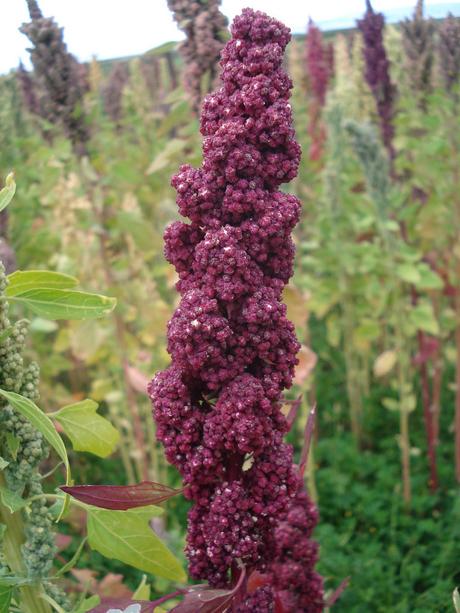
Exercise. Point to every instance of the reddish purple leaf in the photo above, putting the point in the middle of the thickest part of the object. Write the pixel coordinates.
(337, 593)
(307, 440)
(203, 599)
(121, 497)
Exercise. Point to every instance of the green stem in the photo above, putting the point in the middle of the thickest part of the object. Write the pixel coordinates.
(352, 375)
(31, 595)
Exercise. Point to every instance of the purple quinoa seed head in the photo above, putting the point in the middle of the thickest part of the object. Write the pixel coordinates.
(218, 406)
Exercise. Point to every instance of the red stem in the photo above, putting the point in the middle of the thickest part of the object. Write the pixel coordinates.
(429, 422)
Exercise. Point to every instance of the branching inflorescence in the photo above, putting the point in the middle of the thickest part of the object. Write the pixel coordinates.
(378, 73)
(58, 75)
(218, 406)
(204, 26)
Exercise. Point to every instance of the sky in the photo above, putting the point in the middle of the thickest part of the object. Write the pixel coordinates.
(110, 28)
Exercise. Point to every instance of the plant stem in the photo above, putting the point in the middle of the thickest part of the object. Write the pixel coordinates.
(457, 382)
(352, 373)
(31, 601)
(428, 417)
(403, 412)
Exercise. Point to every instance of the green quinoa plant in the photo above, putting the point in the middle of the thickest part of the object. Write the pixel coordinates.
(29, 580)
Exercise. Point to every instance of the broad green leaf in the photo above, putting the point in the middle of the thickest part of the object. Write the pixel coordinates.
(7, 193)
(42, 422)
(6, 594)
(3, 463)
(12, 501)
(127, 536)
(23, 280)
(408, 273)
(87, 430)
(65, 304)
(423, 317)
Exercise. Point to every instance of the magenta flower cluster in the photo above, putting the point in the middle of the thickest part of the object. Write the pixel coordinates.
(218, 406)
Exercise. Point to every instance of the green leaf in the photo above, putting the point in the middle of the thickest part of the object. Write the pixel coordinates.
(12, 443)
(11, 500)
(21, 281)
(87, 604)
(408, 273)
(7, 193)
(3, 463)
(127, 536)
(42, 422)
(143, 590)
(73, 560)
(5, 593)
(423, 318)
(428, 278)
(391, 404)
(65, 304)
(87, 430)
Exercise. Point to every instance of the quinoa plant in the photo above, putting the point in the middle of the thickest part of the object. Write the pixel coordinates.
(28, 543)
(377, 73)
(449, 52)
(218, 406)
(319, 71)
(113, 91)
(204, 27)
(57, 74)
(418, 43)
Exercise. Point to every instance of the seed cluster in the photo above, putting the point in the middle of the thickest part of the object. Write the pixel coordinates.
(204, 27)
(58, 75)
(218, 406)
(378, 72)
